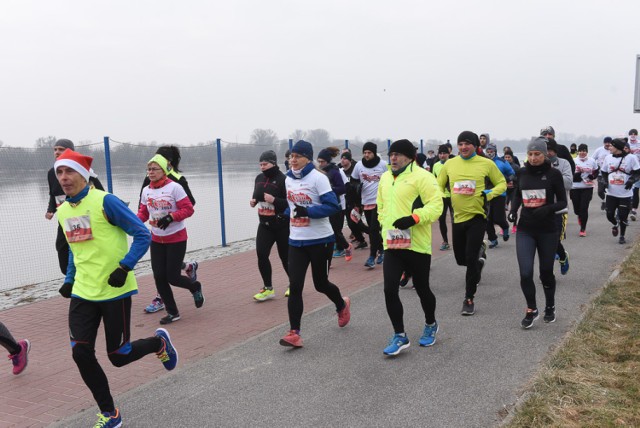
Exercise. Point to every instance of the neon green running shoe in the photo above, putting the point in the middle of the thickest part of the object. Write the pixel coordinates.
(265, 294)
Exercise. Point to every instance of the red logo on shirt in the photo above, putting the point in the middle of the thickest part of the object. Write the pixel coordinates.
(158, 204)
(299, 198)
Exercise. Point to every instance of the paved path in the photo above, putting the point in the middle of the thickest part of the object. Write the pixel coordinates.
(234, 373)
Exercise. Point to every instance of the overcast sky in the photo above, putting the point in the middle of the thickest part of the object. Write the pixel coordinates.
(190, 71)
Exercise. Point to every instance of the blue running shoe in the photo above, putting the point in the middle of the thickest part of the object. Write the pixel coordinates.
(380, 258)
(156, 305)
(370, 263)
(429, 335)
(493, 244)
(505, 234)
(192, 271)
(168, 354)
(338, 253)
(109, 420)
(397, 344)
(564, 264)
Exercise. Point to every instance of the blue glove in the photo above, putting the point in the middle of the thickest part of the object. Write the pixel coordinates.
(487, 191)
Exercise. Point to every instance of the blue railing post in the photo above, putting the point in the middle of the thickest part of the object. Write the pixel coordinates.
(290, 144)
(388, 147)
(107, 160)
(221, 192)
(346, 144)
(421, 146)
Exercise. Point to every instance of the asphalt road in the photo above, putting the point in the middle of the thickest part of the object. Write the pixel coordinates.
(479, 365)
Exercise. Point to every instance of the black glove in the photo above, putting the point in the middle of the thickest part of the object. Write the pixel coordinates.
(542, 212)
(577, 177)
(629, 184)
(164, 222)
(65, 290)
(118, 277)
(591, 177)
(300, 211)
(404, 222)
(512, 217)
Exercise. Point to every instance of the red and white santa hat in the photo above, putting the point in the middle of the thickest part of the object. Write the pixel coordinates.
(76, 161)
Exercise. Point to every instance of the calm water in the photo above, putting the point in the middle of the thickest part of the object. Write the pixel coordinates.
(28, 248)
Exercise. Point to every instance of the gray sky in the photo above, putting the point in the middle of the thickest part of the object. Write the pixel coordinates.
(192, 71)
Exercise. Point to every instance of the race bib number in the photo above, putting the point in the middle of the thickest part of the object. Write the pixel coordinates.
(616, 178)
(534, 198)
(465, 187)
(60, 199)
(355, 215)
(78, 229)
(398, 239)
(300, 221)
(266, 209)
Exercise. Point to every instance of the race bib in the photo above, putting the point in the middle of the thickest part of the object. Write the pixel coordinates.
(398, 239)
(355, 215)
(465, 187)
(616, 178)
(300, 221)
(534, 198)
(78, 229)
(60, 199)
(266, 209)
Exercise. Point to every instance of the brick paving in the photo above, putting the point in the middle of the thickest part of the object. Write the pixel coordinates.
(51, 388)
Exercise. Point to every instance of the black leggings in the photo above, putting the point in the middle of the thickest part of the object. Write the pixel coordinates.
(7, 340)
(166, 263)
(337, 223)
(375, 239)
(396, 262)
(265, 238)
(561, 229)
(581, 199)
(497, 215)
(299, 260)
(357, 229)
(527, 243)
(622, 205)
(84, 320)
(467, 244)
(446, 205)
(636, 197)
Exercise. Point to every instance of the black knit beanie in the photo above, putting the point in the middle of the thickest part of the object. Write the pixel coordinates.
(372, 147)
(469, 137)
(404, 147)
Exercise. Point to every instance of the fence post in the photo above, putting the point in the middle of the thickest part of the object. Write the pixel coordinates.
(290, 144)
(107, 160)
(388, 147)
(346, 144)
(221, 192)
(421, 146)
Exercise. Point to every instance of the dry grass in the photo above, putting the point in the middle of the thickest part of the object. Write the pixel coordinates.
(593, 379)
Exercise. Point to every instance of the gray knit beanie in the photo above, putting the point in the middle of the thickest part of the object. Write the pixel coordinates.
(63, 142)
(538, 144)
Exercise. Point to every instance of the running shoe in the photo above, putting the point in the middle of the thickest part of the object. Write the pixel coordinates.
(169, 319)
(621, 240)
(198, 297)
(292, 338)
(428, 337)
(396, 344)
(564, 264)
(156, 305)
(582, 233)
(344, 314)
(493, 244)
(468, 307)
(614, 230)
(339, 253)
(286, 293)
(192, 271)
(168, 354)
(549, 314)
(380, 258)
(109, 420)
(361, 244)
(529, 318)
(505, 234)
(265, 294)
(514, 229)
(603, 206)
(21, 359)
(481, 263)
(444, 246)
(404, 280)
(348, 253)
(633, 215)
(370, 263)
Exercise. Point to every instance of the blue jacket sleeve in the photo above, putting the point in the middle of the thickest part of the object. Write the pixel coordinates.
(329, 206)
(71, 270)
(336, 182)
(120, 215)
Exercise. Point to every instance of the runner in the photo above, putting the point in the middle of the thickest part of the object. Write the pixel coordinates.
(540, 190)
(510, 157)
(368, 172)
(18, 350)
(443, 156)
(409, 200)
(598, 155)
(172, 155)
(99, 281)
(311, 238)
(582, 190)
(634, 148)
(166, 205)
(351, 201)
(270, 195)
(466, 174)
(497, 214)
(56, 197)
(337, 179)
(561, 217)
(561, 150)
(620, 172)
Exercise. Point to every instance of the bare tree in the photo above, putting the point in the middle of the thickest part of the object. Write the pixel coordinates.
(319, 137)
(45, 141)
(264, 137)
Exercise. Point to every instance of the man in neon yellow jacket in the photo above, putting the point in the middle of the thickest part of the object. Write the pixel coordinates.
(409, 201)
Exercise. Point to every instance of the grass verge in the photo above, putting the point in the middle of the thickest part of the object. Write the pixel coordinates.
(593, 379)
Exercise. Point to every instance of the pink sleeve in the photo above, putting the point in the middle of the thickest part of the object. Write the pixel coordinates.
(143, 213)
(185, 209)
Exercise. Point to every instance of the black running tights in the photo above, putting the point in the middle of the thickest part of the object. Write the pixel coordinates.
(265, 238)
(467, 243)
(166, 263)
(375, 239)
(622, 205)
(527, 243)
(581, 198)
(7, 340)
(446, 205)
